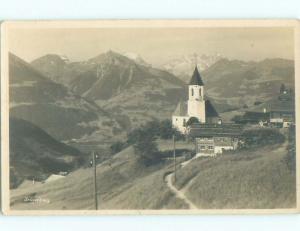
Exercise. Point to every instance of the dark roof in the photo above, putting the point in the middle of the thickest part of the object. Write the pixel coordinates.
(204, 130)
(196, 78)
(181, 109)
(210, 111)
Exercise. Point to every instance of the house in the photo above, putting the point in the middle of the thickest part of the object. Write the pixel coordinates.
(197, 106)
(278, 112)
(213, 139)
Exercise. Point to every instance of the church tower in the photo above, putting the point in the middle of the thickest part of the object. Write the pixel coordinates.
(196, 101)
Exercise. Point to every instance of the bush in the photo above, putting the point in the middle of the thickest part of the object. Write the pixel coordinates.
(257, 103)
(143, 139)
(117, 147)
(157, 129)
(166, 130)
(146, 148)
(192, 120)
(262, 137)
(291, 154)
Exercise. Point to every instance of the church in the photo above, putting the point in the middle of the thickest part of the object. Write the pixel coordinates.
(210, 135)
(197, 106)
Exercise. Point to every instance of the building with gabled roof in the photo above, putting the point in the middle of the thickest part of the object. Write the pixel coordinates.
(196, 106)
(278, 112)
(213, 139)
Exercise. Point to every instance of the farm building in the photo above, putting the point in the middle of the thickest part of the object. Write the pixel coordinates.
(276, 112)
(213, 139)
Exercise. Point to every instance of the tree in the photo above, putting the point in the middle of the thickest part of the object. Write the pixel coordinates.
(166, 130)
(152, 127)
(116, 147)
(192, 120)
(282, 88)
(133, 135)
(146, 148)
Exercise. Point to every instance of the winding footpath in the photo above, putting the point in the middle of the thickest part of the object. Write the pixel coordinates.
(180, 193)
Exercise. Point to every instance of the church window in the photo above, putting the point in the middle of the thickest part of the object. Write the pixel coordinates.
(192, 92)
(210, 147)
(202, 147)
(200, 93)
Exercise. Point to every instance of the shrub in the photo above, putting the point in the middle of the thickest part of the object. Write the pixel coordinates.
(257, 103)
(166, 130)
(262, 137)
(117, 147)
(192, 120)
(291, 154)
(146, 148)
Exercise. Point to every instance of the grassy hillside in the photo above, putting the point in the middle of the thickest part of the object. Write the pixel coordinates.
(123, 183)
(258, 179)
(54, 108)
(35, 155)
(235, 83)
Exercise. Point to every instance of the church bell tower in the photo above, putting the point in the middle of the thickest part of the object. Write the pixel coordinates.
(196, 101)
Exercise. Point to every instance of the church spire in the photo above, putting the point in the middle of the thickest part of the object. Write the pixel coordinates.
(196, 78)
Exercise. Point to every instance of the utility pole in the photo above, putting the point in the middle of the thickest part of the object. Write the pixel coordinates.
(95, 180)
(174, 156)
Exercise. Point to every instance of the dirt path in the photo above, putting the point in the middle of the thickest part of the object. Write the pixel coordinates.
(180, 193)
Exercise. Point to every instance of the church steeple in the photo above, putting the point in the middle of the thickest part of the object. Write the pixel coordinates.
(196, 78)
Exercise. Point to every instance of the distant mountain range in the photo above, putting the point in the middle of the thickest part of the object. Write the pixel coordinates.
(184, 65)
(238, 83)
(132, 91)
(53, 107)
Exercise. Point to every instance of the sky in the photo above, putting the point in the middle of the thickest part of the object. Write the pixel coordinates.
(155, 45)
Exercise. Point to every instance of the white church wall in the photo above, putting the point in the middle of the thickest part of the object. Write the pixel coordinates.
(179, 123)
(197, 109)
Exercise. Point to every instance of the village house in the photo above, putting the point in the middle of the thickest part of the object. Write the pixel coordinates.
(278, 112)
(213, 139)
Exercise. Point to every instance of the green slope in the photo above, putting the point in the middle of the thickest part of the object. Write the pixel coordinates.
(123, 183)
(254, 179)
(34, 154)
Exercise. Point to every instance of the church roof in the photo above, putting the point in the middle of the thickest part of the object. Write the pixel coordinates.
(181, 109)
(196, 78)
(210, 110)
(207, 130)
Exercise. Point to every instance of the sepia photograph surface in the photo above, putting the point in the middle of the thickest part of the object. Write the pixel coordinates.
(149, 117)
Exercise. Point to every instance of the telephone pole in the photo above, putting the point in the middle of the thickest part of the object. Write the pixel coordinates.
(174, 156)
(95, 180)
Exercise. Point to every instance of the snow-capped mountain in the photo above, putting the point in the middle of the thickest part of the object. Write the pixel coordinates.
(137, 58)
(183, 66)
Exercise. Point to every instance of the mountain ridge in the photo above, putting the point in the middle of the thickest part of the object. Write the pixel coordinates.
(52, 106)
